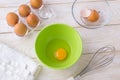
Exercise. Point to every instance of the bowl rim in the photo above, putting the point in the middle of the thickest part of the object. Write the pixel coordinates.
(63, 67)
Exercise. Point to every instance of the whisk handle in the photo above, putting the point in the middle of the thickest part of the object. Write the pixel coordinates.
(71, 78)
(74, 78)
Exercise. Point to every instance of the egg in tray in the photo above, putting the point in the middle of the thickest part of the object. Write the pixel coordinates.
(25, 19)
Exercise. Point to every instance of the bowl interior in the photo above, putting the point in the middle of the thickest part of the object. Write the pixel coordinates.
(57, 36)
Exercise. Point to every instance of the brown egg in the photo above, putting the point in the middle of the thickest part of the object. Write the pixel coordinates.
(32, 20)
(24, 10)
(20, 29)
(94, 16)
(12, 18)
(36, 3)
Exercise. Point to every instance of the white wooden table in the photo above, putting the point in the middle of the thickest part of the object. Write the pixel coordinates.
(93, 39)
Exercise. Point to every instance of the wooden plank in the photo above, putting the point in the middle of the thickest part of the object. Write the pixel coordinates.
(60, 10)
(93, 39)
(6, 3)
(22, 44)
(62, 18)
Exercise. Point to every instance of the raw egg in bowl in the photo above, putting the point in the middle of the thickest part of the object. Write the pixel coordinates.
(58, 46)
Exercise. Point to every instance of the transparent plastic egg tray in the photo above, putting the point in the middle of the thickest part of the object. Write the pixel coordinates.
(43, 13)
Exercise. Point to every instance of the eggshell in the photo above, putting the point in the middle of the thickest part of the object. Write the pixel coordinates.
(94, 16)
(12, 18)
(20, 29)
(85, 12)
(32, 20)
(36, 3)
(24, 10)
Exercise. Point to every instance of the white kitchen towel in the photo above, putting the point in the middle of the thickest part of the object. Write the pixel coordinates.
(15, 65)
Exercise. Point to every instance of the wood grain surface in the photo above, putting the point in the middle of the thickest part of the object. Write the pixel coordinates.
(93, 39)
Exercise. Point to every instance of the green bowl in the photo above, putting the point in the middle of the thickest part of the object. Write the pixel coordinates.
(56, 36)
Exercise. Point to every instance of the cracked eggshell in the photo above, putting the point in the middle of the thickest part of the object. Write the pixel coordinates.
(94, 16)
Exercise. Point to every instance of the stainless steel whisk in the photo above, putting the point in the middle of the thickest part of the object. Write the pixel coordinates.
(101, 58)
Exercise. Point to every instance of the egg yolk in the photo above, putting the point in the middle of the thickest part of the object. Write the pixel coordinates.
(60, 54)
